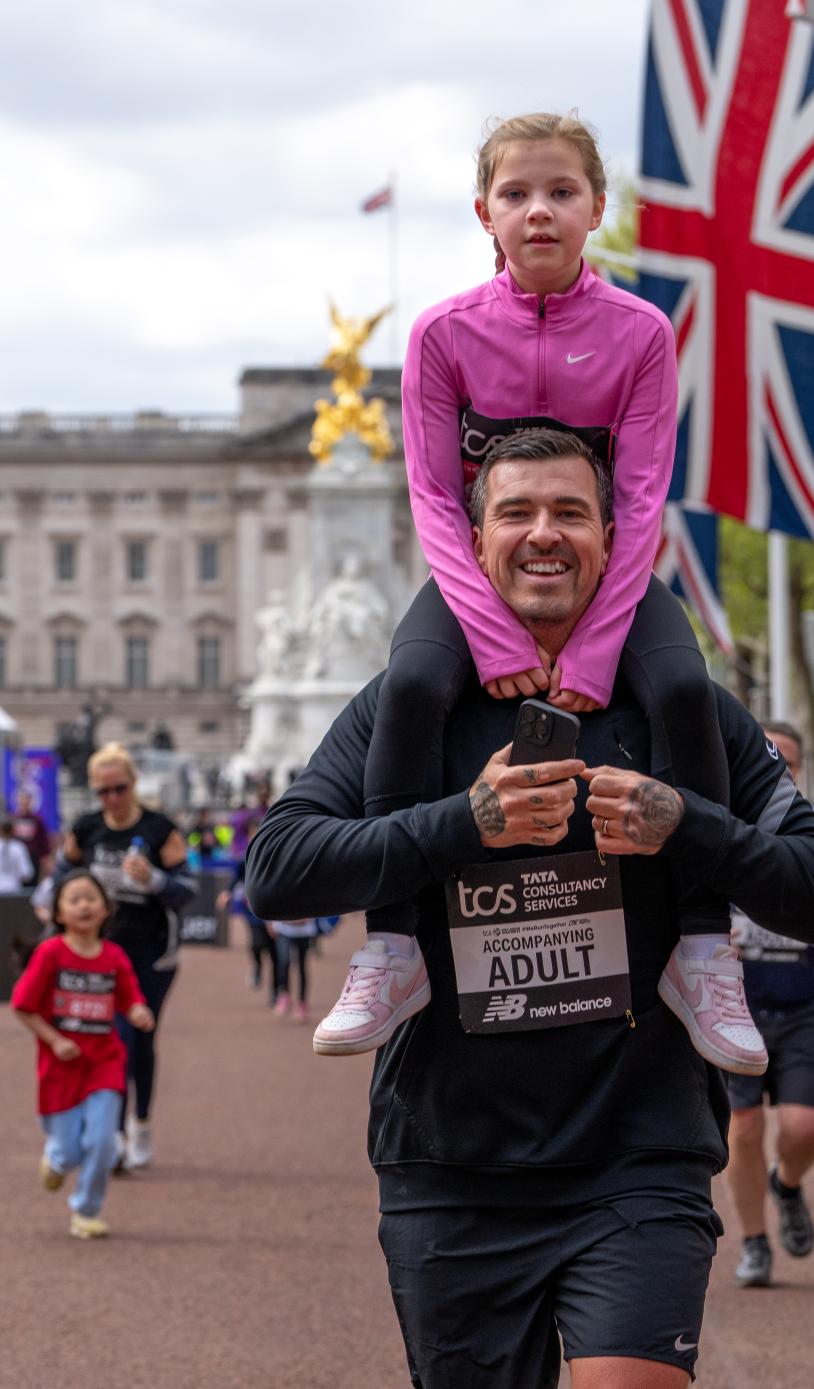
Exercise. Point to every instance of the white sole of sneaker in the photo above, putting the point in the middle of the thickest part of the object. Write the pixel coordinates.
(761, 1281)
(724, 1062)
(376, 1039)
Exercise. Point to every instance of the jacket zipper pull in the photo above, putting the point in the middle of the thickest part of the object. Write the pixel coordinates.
(622, 748)
(541, 311)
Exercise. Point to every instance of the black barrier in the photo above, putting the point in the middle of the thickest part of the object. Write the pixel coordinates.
(201, 922)
(17, 923)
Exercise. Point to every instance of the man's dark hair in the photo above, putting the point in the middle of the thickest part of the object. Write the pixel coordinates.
(540, 444)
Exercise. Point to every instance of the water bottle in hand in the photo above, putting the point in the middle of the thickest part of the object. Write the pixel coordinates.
(136, 846)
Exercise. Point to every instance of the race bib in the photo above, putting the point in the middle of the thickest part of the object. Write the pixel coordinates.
(539, 943)
(84, 1001)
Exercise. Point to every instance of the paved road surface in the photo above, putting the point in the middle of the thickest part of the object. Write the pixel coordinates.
(247, 1257)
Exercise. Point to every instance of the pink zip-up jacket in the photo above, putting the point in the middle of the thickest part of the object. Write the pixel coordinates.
(594, 356)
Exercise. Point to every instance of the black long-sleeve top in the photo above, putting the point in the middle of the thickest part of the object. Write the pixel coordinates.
(571, 1113)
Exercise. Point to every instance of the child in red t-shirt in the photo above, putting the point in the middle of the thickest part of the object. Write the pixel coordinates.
(73, 985)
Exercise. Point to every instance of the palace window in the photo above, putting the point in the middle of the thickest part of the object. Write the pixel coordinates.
(137, 561)
(208, 561)
(209, 663)
(65, 561)
(137, 663)
(65, 663)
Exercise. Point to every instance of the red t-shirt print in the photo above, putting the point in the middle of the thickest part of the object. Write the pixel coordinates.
(79, 997)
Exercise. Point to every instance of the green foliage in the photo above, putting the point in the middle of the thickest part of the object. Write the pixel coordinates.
(743, 580)
(619, 231)
(743, 576)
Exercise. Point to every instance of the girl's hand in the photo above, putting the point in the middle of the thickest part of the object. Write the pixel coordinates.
(526, 682)
(571, 700)
(141, 1017)
(64, 1049)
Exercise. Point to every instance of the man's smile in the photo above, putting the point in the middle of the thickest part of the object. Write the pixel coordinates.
(544, 566)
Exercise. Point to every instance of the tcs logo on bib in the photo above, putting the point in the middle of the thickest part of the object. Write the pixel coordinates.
(486, 901)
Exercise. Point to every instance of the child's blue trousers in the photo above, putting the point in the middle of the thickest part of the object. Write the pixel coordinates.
(85, 1137)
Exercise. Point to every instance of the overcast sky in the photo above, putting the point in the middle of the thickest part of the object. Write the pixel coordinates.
(182, 178)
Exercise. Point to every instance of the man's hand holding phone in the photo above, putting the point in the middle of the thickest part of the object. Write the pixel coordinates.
(521, 797)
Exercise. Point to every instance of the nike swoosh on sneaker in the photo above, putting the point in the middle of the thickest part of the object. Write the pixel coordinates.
(694, 996)
(581, 358)
(685, 1345)
(399, 993)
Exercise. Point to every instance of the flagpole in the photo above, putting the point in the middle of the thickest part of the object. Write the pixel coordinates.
(779, 626)
(393, 268)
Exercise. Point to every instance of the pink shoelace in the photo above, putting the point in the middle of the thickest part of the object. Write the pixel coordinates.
(730, 999)
(359, 991)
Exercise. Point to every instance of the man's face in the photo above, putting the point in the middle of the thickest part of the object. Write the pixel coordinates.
(542, 545)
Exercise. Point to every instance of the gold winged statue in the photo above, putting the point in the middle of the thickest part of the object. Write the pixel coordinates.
(350, 413)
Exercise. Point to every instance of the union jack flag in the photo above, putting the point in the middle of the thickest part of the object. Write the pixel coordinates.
(687, 562)
(727, 250)
(383, 198)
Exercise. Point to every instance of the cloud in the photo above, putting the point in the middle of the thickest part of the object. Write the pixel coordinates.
(187, 175)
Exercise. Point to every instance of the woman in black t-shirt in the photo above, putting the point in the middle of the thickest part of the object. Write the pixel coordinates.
(140, 859)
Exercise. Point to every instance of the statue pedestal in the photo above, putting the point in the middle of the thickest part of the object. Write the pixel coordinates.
(313, 659)
(288, 721)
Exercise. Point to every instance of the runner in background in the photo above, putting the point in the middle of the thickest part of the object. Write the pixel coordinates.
(297, 938)
(779, 981)
(140, 858)
(261, 940)
(32, 831)
(67, 996)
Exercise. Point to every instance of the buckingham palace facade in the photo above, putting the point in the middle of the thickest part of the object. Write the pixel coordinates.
(136, 551)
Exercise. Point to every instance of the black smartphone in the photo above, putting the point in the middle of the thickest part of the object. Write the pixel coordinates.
(543, 734)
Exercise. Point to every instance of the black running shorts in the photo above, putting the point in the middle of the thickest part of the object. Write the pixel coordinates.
(789, 1037)
(481, 1294)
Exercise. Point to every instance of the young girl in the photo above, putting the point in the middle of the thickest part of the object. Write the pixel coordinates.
(67, 996)
(546, 342)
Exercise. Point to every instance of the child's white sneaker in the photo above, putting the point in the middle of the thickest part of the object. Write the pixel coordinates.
(139, 1144)
(387, 982)
(88, 1226)
(707, 995)
(50, 1177)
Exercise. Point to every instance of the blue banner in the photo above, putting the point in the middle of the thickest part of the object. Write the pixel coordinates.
(32, 771)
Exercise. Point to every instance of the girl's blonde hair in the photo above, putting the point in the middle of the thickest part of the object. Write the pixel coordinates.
(109, 754)
(540, 125)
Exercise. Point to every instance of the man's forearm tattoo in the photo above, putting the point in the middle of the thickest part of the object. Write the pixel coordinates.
(656, 813)
(489, 817)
